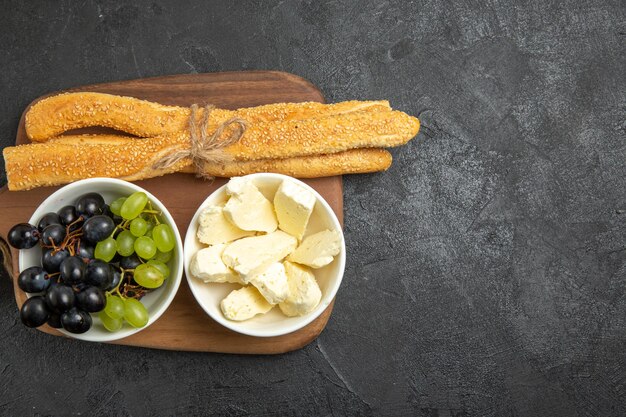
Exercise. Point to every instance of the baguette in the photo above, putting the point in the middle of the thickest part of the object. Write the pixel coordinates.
(354, 161)
(325, 135)
(69, 158)
(278, 140)
(54, 115)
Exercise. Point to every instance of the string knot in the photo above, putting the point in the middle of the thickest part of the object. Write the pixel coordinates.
(203, 146)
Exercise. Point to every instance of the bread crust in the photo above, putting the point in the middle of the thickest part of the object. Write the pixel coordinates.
(70, 158)
(355, 161)
(54, 115)
(324, 135)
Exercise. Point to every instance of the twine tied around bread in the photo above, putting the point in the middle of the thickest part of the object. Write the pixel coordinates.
(204, 146)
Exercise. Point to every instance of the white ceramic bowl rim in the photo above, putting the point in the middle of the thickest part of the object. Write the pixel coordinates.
(283, 329)
(175, 275)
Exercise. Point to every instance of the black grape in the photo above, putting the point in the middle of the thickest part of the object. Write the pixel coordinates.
(98, 228)
(91, 299)
(90, 204)
(47, 220)
(51, 260)
(98, 273)
(72, 270)
(23, 236)
(117, 276)
(130, 262)
(85, 250)
(53, 235)
(60, 298)
(33, 279)
(76, 321)
(55, 320)
(68, 216)
(34, 312)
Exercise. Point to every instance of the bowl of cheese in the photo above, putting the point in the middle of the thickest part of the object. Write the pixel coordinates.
(264, 255)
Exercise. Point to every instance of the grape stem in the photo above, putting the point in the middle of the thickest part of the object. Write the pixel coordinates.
(153, 212)
(123, 226)
(138, 290)
(74, 234)
(53, 246)
(117, 287)
(68, 242)
(79, 219)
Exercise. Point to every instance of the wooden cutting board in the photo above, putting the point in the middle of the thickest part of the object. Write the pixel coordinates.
(185, 326)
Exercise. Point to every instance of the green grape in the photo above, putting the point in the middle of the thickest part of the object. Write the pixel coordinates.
(138, 227)
(135, 313)
(148, 276)
(163, 256)
(105, 249)
(109, 323)
(116, 206)
(125, 243)
(134, 205)
(164, 237)
(145, 247)
(114, 307)
(161, 267)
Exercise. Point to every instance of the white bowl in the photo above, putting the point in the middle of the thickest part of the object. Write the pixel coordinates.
(274, 323)
(157, 301)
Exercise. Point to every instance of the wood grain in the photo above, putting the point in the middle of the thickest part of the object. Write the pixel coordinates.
(185, 326)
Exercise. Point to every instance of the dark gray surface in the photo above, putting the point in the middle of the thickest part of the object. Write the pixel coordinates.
(486, 268)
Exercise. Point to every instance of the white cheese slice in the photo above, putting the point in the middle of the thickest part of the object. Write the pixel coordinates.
(294, 205)
(244, 303)
(318, 249)
(247, 208)
(213, 228)
(207, 265)
(252, 255)
(304, 293)
(272, 283)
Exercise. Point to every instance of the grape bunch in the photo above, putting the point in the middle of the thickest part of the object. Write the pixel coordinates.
(96, 258)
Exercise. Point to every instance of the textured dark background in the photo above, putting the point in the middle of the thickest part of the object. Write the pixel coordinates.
(486, 268)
